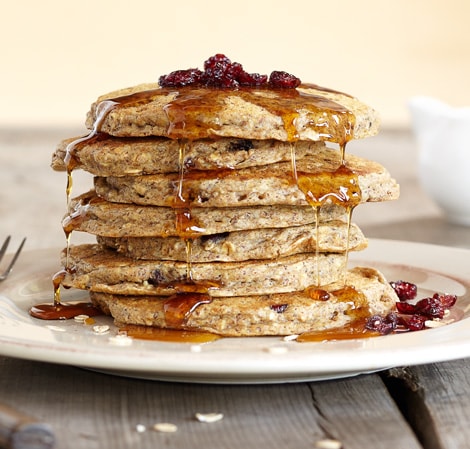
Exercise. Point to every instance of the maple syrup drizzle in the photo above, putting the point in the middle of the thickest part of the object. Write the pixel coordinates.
(181, 156)
(71, 163)
(342, 153)
(102, 111)
(316, 293)
(63, 311)
(349, 212)
(194, 113)
(190, 293)
(339, 186)
(317, 243)
(183, 114)
(169, 335)
(355, 329)
(186, 228)
(56, 282)
(58, 310)
(293, 162)
(179, 307)
(357, 300)
(358, 311)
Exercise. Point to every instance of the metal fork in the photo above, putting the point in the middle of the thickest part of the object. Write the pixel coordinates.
(3, 250)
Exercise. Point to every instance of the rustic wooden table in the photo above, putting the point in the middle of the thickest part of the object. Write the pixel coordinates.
(405, 407)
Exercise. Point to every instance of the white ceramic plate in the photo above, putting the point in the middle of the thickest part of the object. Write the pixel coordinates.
(240, 360)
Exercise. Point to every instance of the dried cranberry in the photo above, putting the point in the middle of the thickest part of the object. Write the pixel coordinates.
(215, 238)
(430, 307)
(413, 322)
(283, 80)
(393, 318)
(252, 79)
(279, 308)
(241, 145)
(234, 72)
(374, 322)
(180, 78)
(221, 72)
(406, 308)
(410, 316)
(156, 277)
(216, 63)
(447, 301)
(383, 325)
(404, 290)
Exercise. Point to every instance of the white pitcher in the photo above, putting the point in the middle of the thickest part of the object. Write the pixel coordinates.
(443, 136)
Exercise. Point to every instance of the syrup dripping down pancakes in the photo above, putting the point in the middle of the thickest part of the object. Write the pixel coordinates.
(222, 201)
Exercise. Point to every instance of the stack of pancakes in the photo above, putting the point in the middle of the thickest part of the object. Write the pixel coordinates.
(225, 210)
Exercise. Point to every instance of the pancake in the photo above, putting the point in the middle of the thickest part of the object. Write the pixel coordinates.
(239, 246)
(100, 269)
(276, 314)
(105, 155)
(272, 184)
(306, 113)
(89, 213)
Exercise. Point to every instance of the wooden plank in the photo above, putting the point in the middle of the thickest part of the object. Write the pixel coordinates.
(89, 410)
(360, 413)
(435, 400)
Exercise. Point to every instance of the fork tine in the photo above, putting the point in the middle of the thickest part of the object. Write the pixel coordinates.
(3, 250)
(4, 275)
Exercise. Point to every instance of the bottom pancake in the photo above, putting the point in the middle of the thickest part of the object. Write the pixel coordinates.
(366, 292)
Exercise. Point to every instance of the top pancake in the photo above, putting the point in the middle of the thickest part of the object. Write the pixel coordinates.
(306, 113)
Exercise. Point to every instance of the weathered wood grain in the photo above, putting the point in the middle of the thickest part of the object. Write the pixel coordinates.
(435, 399)
(93, 410)
(90, 410)
(360, 413)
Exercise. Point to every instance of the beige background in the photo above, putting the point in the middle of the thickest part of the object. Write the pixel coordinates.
(57, 55)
